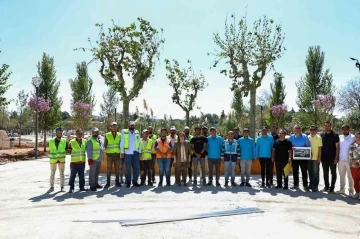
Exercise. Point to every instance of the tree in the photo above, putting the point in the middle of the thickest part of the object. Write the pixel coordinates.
(237, 104)
(316, 82)
(21, 103)
(186, 84)
(131, 51)
(49, 91)
(278, 94)
(348, 98)
(4, 86)
(110, 103)
(243, 49)
(82, 115)
(81, 86)
(65, 115)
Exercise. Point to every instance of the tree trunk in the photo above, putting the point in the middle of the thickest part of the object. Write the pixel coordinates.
(20, 136)
(125, 119)
(44, 140)
(252, 112)
(187, 118)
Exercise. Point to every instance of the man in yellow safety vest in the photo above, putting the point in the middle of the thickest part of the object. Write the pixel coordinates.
(95, 153)
(112, 149)
(58, 149)
(146, 163)
(77, 149)
(130, 148)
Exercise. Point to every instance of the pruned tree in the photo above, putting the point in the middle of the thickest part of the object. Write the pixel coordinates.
(278, 94)
(130, 51)
(4, 86)
(244, 49)
(348, 98)
(315, 83)
(49, 91)
(81, 86)
(186, 84)
(22, 103)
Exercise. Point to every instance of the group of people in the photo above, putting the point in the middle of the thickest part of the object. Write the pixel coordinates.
(139, 152)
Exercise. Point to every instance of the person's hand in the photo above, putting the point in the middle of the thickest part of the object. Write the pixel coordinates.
(238, 161)
(222, 160)
(122, 156)
(174, 163)
(198, 155)
(272, 159)
(90, 161)
(163, 155)
(289, 161)
(336, 161)
(140, 155)
(319, 160)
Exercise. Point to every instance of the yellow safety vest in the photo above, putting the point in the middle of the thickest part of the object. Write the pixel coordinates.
(95, 149)
(57, 154)
(126, 139)
(147, 149)
(113, 145)
(77, 152)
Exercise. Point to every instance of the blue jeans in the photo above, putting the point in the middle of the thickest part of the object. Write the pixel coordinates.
(313, 167)
(231, 165)
(202, 166)
(132, 161)
(164, 166)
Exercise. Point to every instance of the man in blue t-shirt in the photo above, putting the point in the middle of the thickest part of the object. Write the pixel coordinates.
(213, 148)
(298, 139)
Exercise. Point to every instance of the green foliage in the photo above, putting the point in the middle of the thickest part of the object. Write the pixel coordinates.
(22, 105)
(353, 119)
(49, 90)
(129, 51)
(315, 83)
(110, 101)
(81, 86)
(348, 98)
(4, 86)
(237, 104)
(65, 115)
(243, 49)
(186, 84)
(277, 88)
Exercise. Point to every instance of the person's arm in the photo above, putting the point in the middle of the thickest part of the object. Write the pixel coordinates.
(337, 146)
(290, 151)
(319, 154)
(255, 153)
(122, 142)
(157, 150)
(257, 147)
(204, 146)
(140, 144)
(175, 151)
(89, 150)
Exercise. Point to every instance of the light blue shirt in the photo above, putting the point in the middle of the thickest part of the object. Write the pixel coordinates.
(301, 141)
(247, 148)
(264, 145)
(214, 146)
(89, 149)
(132, 143)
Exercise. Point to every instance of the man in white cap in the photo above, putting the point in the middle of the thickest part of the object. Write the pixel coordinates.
(112, 149)
(130, 148)
(95, 154)
(173, 138)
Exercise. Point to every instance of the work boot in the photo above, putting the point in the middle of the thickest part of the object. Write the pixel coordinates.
(50, 190)
(107, 185)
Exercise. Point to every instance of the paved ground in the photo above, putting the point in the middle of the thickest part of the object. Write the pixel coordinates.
(26, 211)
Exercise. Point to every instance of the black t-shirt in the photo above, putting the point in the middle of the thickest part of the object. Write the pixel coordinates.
(198, 143)
(282, 150)
(328, 149)
(237, 137)
(275, 136)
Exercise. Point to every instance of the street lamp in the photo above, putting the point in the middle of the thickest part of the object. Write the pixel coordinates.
(36, 82)
(357, 64)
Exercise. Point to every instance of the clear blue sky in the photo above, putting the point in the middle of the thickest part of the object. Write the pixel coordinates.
(29, 28)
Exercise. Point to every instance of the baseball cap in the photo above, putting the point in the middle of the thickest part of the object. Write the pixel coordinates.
(58, 129)
(264, 128)
(145, 131)
(213, 128)
(204, 127)
(95, 129)
(246, 129)
(186, 127)
(172, 128)
(113, 123)
(132, 122)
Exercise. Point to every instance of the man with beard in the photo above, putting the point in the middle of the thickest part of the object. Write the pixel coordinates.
(237, 134)
(198, 146)
(130, 147)
(346, 140)
(329, 156)
(112, 149)
(95, 154)
(153, 137)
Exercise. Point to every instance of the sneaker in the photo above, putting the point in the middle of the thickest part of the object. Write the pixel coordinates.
(84, 189)
(242, 184)
(226, 184)
(263, 184)
(285, 188)
(128, 185)
(107, 185)
(210, 183)
(331, 190)
(341, 191)
(71, 190)
(233, 184)
(160, 184)
(217, 183)
(50, 190)
(278, 186)
(351, 193)
(195, 183)
(99, 186)
(93, 189)
(268, 185)
(248, 185)
(355, 196)
(136, 184)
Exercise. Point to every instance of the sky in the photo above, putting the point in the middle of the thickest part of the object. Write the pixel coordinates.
(29, 28)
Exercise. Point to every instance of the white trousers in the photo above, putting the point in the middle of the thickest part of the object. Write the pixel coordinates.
(344, 168)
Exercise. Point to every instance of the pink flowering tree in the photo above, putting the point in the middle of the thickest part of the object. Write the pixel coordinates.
(278, 112)
(81, 115)
(43, 105)
(324, 107)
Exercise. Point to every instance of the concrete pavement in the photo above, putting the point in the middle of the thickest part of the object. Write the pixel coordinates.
(27, 211)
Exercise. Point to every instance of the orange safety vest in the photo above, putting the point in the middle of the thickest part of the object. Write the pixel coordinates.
(163, 147)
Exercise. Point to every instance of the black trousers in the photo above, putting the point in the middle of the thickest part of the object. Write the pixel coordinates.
(211, 164)
(146, 167)
(266, 169)
(280, 173)
(303, 164)
(190, 168)
(78, 169)
(271, 172)
(329, 164)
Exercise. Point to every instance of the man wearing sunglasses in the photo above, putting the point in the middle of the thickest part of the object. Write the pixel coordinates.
(314, 163)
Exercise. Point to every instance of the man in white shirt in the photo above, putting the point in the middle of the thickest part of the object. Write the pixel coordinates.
(346, 140)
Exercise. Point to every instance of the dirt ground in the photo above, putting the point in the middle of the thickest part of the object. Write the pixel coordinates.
(19, 154)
